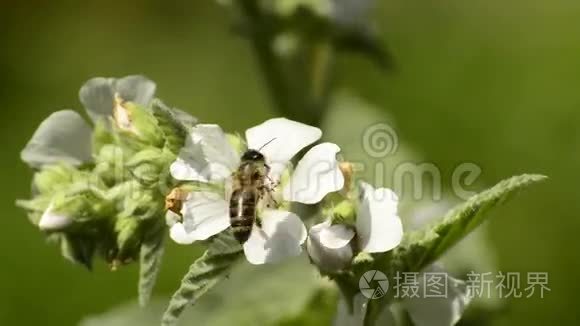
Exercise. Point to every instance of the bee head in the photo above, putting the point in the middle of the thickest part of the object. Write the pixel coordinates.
(253, 155)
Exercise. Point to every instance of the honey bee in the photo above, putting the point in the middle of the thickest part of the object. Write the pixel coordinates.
(250, 184)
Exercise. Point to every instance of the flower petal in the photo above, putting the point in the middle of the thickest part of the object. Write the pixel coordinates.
(441, 311)
(178, 234)
(62, 137)
(332, 236)
(135, 88)
(51, 221)
(378, 226)
(328, 246)
(288, 138)
(316, 175)
(205, 214)
(207, 156)
(281, 236)
(97, 94)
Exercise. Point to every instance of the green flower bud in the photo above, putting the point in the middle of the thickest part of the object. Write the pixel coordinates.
(341, 210)
(147, 166)
(136, 121)
(54, 178)
(175, 125)
(128, 239)
(101, 136)
(110, 164)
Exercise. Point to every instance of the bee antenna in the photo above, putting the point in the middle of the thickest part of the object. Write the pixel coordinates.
(271, 140)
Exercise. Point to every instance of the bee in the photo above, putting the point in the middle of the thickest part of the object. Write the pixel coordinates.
(250, 184)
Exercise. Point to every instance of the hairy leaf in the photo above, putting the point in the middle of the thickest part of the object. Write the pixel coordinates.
(463, 219)
(151, 254)
(204, 274)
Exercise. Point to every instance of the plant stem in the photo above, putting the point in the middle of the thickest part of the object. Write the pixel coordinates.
(299, 86)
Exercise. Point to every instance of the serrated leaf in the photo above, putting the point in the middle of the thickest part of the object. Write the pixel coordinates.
(203, 275)
(150, 256)
(463, 219)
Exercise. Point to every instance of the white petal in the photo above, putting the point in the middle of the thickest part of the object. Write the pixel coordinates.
(207, 156)
(172, 218)
(328, 246)
(445, 311)
(62, 137)
(51, 221)
(137, 89)
(280, 237)
(97, 94)
(205, 214)
(378, 225)
(287, 138)
(178, 234)
(316, 175)
(332, 236)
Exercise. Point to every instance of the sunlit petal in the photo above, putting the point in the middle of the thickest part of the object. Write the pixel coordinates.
(207, 156)
(205, 214)
(281, 139)
(378, 225)
(281, 236)
(316, 175)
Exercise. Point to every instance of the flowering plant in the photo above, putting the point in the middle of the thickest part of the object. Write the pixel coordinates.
(112, 186)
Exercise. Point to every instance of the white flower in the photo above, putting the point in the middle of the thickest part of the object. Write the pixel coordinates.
(378, 229)
(52, 221)
(209, 157)
(66, 137)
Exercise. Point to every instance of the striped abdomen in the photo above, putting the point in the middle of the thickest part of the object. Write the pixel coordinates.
(243, 213)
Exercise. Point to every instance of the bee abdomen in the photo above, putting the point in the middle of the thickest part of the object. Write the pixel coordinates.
(242, 213)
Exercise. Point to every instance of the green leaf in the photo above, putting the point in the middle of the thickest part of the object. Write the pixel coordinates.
(463, 219)
(151, 254)
(203, 275)
(265, 295)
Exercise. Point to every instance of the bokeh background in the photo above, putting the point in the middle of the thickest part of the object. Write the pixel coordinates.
(492, 82)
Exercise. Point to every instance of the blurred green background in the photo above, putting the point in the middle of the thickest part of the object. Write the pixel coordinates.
(492, 82)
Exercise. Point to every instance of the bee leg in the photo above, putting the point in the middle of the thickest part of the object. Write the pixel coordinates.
(273, 184)
(265, 190)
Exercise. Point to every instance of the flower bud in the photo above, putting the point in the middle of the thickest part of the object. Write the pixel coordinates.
(137, 121)
(54, 178)
(128, 239)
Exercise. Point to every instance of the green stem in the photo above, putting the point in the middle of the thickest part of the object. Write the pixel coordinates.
(299, 86)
